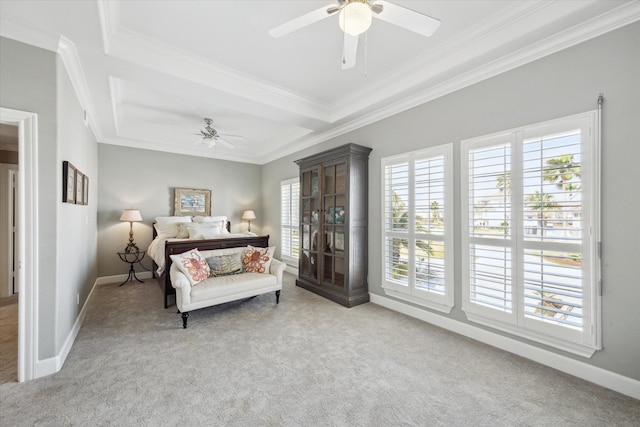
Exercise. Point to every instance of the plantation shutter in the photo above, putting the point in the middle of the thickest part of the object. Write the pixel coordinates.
(289, 217)
(553, 228)
(489, 213)
(418, 249)
(529, 232)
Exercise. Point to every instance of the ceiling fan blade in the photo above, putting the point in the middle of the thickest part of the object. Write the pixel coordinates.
(225, 143)
(349, 51)
(228, 135)
(302, 21)
(406, 18)
(211, 142)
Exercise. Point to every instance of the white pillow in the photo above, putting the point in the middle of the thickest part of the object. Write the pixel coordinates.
(193, 265)
(183, 233)
(207, 230)
(221, 220)
(257, 260)
(209, 218)
(167, 226)
(172, 219)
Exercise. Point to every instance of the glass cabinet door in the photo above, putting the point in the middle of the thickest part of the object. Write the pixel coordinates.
(334, 210)
(310, 222)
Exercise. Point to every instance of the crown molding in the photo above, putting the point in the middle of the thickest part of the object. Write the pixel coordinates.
(438, 60)
(617, 18)
(109, 15)
(69, 55)
(27, 34)
(187, 150)
(139, 49)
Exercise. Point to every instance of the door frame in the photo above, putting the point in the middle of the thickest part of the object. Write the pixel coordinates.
(27, 238)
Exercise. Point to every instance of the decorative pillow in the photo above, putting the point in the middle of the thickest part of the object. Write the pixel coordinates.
(224, 265)
(183, 232)
(193, 265)
(201, 219)
(167, 226)
(220, 220)
(257, 260)
(207, 230)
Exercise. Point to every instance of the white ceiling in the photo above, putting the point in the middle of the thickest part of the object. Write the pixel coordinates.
(148, 72)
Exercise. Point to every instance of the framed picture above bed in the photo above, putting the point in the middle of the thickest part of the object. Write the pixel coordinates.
(189, 201)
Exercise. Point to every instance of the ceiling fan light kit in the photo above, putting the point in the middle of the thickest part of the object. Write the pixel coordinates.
(210, 136)
(355, 18)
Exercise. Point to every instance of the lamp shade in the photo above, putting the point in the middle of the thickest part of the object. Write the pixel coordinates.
(355, 18)
(131, 215)
(249, 215)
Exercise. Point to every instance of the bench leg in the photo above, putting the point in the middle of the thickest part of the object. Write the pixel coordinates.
(185, 316)
(277, 297)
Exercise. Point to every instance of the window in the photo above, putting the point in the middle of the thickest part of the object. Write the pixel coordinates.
(417, 254)
(530, 231)
(289, 219)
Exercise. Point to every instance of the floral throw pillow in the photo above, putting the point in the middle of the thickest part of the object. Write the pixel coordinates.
(193, 265)
(257, 260)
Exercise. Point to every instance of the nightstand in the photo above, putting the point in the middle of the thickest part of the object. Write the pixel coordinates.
(132, 258)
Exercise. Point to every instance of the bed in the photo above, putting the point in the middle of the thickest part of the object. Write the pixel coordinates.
(170, 238)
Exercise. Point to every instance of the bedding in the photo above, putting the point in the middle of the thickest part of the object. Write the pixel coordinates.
(178, 234)
(156, 249)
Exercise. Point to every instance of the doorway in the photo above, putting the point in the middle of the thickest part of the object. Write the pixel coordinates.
(8, 289)
(26, 238)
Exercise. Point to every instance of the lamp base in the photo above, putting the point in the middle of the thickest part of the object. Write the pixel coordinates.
(131, 248)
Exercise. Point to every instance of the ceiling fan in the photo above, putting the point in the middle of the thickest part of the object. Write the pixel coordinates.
(211, 137)
(355, 18)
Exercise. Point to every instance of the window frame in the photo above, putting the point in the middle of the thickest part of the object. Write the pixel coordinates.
(294, 216)
(440, 302)
(583, 342)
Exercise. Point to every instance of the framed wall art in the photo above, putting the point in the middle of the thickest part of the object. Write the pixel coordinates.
(68, 182)
(79, 191)
(189, 201)
(85, 190)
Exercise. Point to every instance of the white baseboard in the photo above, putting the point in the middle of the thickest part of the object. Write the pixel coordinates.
(602, 377)
(119, 278)
(54, 364)
(292, 270)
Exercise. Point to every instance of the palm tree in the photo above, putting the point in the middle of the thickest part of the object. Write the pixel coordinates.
(435, 212)
(504, 182)
(543, 203)
(400, 218)
(561, 171)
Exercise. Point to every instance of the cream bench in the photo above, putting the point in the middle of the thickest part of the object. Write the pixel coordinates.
(221, 289)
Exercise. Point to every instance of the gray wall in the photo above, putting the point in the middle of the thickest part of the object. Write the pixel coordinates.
(77, 230)
(145, 180)
(562, 84)
(32, 79)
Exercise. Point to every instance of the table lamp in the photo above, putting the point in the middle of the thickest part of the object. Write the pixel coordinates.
(131, 215)
(249, 215)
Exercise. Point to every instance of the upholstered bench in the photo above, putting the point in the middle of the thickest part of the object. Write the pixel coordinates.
(206, 278)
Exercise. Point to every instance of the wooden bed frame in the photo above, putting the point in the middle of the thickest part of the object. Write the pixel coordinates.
(174, 248)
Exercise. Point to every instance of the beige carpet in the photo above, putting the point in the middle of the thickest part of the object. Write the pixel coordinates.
(304, 362)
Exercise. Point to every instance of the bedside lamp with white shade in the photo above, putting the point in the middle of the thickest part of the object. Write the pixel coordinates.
(248, 216)
(131, 215)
